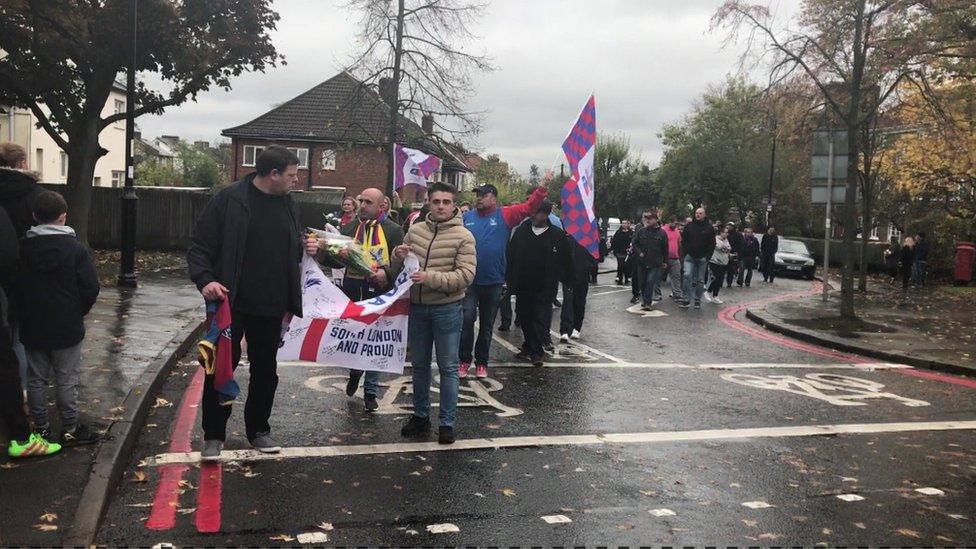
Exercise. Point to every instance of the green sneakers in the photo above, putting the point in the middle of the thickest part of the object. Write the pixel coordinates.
(36, 445)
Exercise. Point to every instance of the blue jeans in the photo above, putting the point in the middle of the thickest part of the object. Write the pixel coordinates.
(696, 273)
(438, 326)
(481, 301)
(652, 282)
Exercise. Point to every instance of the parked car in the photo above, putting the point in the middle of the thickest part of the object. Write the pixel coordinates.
(794, 258)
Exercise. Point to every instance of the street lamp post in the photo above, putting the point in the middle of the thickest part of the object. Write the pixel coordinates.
(127, 268)
(772, 171)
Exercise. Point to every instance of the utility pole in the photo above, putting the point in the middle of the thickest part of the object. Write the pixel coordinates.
(772, 171)
(830, 199)
(127, 268)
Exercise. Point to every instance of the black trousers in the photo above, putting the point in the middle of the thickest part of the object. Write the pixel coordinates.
(718, 273)
(263, 334)
(637, 276)
(623, 275)
(574, 307)
(11, 391)
(768, 264)
(746, 266)
(505, 309)
(731, 270)
(535, 313)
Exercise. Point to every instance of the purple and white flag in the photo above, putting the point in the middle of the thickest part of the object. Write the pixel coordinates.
(412, 167)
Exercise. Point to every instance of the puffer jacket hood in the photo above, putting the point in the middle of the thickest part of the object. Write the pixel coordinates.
(18, 188)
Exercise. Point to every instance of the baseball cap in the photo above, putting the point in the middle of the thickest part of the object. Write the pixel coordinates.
(487, 188)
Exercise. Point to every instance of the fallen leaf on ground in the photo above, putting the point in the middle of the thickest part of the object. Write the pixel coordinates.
(325, 526)
(46, 527)
(282, 537)
(162, 403)
(508, 492)
(49, 517)
(907, 532)
(139, 476)
(770, 536)
(750, 523)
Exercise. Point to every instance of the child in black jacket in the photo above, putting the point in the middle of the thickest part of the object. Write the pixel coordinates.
(58, 287)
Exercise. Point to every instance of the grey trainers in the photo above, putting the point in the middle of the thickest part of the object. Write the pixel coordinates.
(211, 450)
(262, 442)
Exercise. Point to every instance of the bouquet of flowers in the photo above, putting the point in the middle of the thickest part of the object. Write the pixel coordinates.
(344, 250)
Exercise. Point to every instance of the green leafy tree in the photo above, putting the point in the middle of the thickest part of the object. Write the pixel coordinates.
(62, 59)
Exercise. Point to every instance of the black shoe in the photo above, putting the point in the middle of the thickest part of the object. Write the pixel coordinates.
(370, 403)
(747, 284)
(739, 284)
(537, 361)
(504, 328)
(522, 355)
(417, 426)
(80, 436)
(353, 384)
(549, 348)
(556, 303)
(44, 432)
(445, 435)
(646, 307)
(697, 304)
(684, 304)
(634, 299)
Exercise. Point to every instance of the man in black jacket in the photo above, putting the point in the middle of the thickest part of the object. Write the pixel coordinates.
(574, 295)
(698, 243)
(768, 248)
(651, 249)
(619, 243)
(747, 256)
(247, 248)
(538, 259)
(735, 240)
(920, 259)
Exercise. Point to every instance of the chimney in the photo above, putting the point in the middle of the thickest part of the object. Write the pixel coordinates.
(427, 124)
(387, 91)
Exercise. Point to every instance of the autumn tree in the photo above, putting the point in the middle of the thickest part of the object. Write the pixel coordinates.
(857, 53)
(62, 59)
(417, 53)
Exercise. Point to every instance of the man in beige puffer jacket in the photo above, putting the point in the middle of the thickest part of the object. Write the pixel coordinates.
(446, 251)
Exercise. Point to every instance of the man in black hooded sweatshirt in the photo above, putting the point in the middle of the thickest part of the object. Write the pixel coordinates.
(698, 243)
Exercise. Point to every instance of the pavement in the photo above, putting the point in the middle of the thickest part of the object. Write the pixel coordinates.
(928, 328)
(695, 427)
(127, 330)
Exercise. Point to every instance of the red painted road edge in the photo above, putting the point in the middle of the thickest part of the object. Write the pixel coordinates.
(163, 514)
(727, 317)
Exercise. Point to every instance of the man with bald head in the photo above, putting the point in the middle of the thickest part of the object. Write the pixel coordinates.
(698, 243)
(378, 235)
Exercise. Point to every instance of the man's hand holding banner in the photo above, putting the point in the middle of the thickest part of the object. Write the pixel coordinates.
(365, 335)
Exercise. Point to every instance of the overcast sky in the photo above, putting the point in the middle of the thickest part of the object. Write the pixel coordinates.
(646, 61)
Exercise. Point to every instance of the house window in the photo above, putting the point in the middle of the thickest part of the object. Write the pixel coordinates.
(302, 155)
(98, 181)
(39, 163)
(251, 153)
(893, 232)
(64, 165)
(329, 159)
(118, 178)
(119, 106)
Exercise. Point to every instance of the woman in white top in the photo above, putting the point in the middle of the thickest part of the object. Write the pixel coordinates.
(718, 265)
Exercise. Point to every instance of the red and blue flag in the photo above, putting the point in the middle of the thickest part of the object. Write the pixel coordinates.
(579, 220)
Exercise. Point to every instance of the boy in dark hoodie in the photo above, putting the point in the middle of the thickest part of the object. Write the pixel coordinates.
(58, 287)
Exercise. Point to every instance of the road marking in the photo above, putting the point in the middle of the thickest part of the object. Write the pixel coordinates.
(617, 291)
(637, 310)
(506, 344)
(207, 517)
(860, 366)
(650, 437)
(166, 500)
(831, 388)
(587, 348)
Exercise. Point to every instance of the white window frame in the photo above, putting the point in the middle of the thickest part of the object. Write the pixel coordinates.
(64, 164)
(893, 232)
(302, 155)
(118, 178)
(119, 106)
(255, 151)
(329, 159)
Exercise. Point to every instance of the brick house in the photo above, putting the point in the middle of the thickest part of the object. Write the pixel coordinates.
(338, 129)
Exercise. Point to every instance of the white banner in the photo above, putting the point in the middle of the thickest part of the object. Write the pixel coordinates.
(364, 335)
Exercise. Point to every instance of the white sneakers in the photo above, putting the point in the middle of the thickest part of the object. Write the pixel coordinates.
(576, 334)
(564, 338)
(707, 297)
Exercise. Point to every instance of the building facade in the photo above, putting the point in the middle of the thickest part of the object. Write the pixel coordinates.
(337, 129)
(45, 157)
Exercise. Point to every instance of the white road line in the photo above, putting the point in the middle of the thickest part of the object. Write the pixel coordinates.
(506, 344)
(597, 294)
(589, 349)
(879, 366)
(572, 440)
